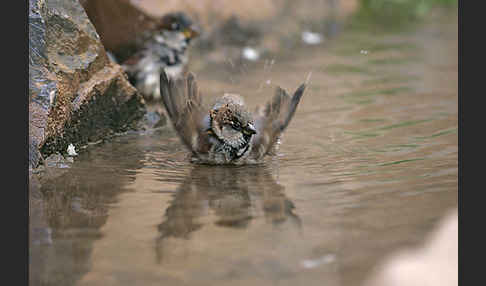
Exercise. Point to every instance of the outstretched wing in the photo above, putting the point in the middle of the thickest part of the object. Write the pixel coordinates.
(183, 104)
(273, 119)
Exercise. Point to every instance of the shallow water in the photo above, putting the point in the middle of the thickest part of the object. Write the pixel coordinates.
(368, 165)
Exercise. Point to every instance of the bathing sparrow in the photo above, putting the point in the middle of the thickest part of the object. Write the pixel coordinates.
(227, 132)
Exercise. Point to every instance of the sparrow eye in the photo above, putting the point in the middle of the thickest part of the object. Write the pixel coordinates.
(236, 125)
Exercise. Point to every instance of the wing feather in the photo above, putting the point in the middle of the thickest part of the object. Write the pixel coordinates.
(274, 119)
(183, 104)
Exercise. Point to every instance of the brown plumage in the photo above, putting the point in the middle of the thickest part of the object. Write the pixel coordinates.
(226, 133)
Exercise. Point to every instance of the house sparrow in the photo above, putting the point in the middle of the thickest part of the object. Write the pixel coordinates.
(164, 48)
(226, 133)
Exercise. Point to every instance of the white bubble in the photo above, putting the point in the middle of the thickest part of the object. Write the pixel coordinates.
(312, 263)
(311, 38)
(250, 54)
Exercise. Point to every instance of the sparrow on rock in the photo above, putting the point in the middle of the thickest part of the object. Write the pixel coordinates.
(226, 133)
(163, 49)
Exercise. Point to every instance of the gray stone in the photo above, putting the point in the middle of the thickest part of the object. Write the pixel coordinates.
(153, 119)
(76, 94)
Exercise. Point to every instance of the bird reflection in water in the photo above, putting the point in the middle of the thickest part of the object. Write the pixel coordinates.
(231, 196)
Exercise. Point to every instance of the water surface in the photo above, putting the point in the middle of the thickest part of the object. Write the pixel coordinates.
(367, 166)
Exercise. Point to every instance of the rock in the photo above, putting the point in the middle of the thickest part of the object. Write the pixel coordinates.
(154, 119)
(58, 161)
(76, 94)
(119, 24)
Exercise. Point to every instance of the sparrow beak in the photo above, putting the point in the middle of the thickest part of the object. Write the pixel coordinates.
(191, 32)
(249, 129)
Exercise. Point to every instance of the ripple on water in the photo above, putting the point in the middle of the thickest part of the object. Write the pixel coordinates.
(369, 160)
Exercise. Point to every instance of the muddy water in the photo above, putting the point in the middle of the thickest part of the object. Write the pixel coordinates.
(368, 165)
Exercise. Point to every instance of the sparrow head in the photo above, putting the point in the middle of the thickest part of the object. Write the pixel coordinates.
(231, 122)
(176, 30)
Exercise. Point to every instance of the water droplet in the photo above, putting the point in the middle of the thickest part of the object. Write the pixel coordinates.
(71, 150)
(250, 54)
(311, 38)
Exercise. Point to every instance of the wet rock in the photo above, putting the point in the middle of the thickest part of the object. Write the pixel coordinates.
(58, 161)
(76, 94)
(34, 154)
(154, 119)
